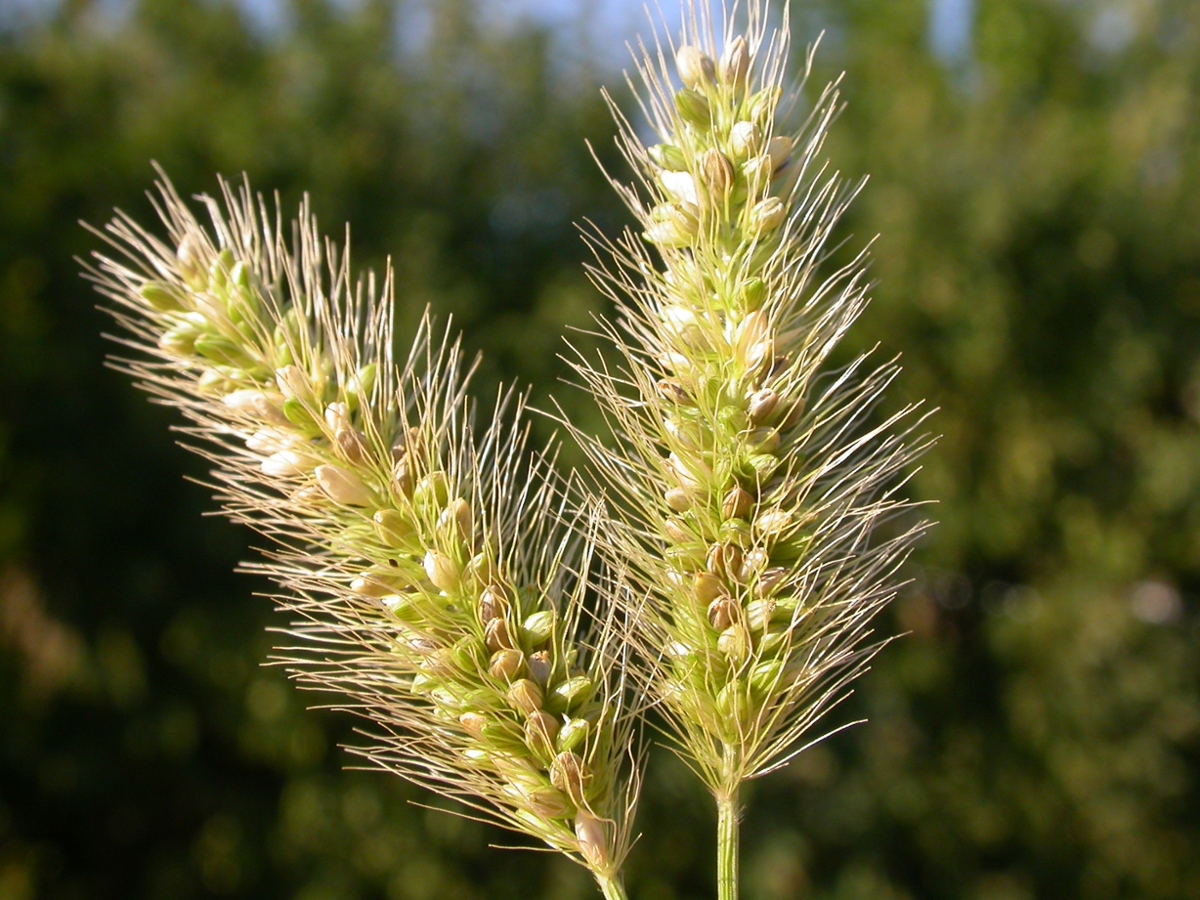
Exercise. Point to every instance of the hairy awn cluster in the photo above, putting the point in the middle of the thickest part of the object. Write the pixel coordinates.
(747, 482)
(436, 580)
(746, 531)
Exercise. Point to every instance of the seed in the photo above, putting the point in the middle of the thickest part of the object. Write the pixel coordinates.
(734, 642)
(540, 667)
(722, 612)
(768, 215)
(472, 723)
(695, 67)
(759, 613)
(593, 845)
(681, 187)
(574, 733)
(392, 527)
(496, 636)
(708, 587)
(569, 774)
(779, 148)
(769, 580)
(285, 464)
(676, 531)
(442, 571)
(772, 523)
(525, 696)
(342, 486)
(678, 500)
(547, 803)
(506, 664)
(735, 62)
(693, 108)
(764, 440)
(753, 562)
(717, 172)
(724, 560)
(457, 516)
(762, 404)
(572, 692)
(537, 629)
(541, 729)
(673, 391)
(743, 139)
(737, 504)
(492, 604)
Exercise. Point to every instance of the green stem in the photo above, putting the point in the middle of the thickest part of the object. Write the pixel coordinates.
(727, 846)
(612, 888)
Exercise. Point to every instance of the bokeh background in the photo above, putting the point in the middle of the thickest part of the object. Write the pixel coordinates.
(1036, 184)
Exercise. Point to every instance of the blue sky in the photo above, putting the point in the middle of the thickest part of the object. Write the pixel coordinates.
(611, 22)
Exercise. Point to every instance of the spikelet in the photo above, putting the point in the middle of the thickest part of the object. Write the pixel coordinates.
(434, 580)
(752, 488)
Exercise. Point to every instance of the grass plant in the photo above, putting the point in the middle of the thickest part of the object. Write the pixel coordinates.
(752, 490)
(744, 525)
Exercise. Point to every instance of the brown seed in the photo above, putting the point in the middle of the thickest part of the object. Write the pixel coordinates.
(724, 560)
(672, 390)
(737, 504)
(769, 580)
(472, 723)
(722, 612)
(540, 667)
(569, 774)
(492, 604)
(506, 664)
(402, 477)
(717, 173)
(525, 696)
(496, 635)
(761, 405)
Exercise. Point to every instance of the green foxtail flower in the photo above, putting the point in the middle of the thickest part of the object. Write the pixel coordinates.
(752, 490)
(435, 581)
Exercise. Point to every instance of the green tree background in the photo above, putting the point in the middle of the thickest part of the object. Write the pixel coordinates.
(1037, 734)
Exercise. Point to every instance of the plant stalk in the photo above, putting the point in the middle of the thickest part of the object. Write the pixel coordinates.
(728, 815)
(612, 888)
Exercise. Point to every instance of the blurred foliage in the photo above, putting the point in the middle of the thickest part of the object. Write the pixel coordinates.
(1038, 202)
